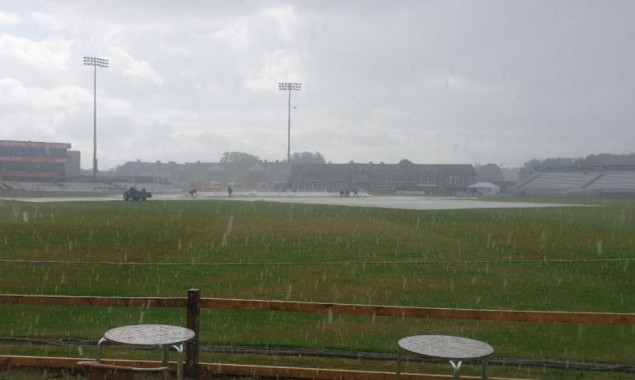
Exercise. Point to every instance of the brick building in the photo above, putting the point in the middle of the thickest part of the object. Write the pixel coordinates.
(33, 161)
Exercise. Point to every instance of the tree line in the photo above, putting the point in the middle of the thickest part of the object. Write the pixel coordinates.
(250, 159)
(593, 160)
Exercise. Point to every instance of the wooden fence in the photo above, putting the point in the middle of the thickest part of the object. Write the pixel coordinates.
(193, 303)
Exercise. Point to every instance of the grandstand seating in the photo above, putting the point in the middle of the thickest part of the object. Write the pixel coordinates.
(62, 186)
(86, 186)
(613, 182)
(10, 185)
(154, 187)
(557, 182)
(577, 182)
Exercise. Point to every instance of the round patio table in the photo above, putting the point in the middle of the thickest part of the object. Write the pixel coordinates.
(162, 336)
(452, 348)
(149, 335)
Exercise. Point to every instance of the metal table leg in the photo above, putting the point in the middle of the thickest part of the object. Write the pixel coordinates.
(484, 369)
(179, 363)
(166, 363)
(102, 340)
(456, 369)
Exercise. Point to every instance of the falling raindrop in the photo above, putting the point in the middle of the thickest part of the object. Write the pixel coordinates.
(289, 290)
(598, 246)
(543, 240)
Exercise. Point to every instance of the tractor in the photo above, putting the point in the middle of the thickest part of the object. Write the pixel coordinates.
(132, 194)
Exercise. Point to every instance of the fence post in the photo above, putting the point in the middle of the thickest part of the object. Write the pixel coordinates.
(193, 323)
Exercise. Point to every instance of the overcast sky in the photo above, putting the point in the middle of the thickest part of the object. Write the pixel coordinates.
(469, 81)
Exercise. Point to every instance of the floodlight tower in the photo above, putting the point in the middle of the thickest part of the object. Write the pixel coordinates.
(95, 62)
(289, 87)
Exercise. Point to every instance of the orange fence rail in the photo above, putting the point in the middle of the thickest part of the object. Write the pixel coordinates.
(335, 308)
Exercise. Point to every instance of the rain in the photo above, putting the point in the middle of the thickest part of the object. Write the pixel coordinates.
(332, 176)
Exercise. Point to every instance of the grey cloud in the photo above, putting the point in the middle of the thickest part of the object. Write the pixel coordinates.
(432, 81)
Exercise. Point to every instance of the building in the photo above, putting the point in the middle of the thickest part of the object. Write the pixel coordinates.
(260, 175)
(73, 169)
(404, 177)
(143, 172)
(33, 161)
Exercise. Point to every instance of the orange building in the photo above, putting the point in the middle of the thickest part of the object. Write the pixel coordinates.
(33, 161)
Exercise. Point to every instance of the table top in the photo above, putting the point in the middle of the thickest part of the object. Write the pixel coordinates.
(149, 335)
(446, 347)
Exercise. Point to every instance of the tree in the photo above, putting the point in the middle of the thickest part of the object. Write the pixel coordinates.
(308, 158)
(239, 158)
(610, 159)
(530, 166)
(489, 173)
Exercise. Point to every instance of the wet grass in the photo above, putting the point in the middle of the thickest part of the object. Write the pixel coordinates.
(494, 259)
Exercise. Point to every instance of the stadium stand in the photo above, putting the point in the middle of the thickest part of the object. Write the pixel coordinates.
(613, 182)
(86, 186)
(61, 186)
(80, 187)
(561, 182)
(556, 182)
(11, 185)
(153, 187)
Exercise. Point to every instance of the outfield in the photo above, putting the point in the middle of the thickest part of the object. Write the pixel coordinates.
(565, 258)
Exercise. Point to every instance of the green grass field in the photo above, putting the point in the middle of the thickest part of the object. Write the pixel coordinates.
(566, 258)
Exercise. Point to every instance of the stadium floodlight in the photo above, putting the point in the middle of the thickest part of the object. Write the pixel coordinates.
(286, 86)
(290, 86)
(95, 62)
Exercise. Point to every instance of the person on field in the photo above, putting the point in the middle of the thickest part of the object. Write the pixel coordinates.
(230, 190)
